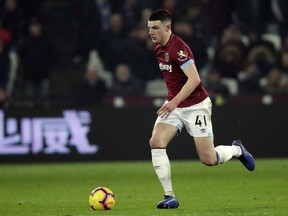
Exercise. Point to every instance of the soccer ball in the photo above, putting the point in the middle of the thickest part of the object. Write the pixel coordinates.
(101, 198)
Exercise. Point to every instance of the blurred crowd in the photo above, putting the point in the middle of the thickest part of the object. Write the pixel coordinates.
(240, 47)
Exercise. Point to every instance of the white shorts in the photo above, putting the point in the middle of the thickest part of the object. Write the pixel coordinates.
(196, 119)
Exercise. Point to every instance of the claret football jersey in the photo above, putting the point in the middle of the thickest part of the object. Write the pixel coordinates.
(172, 58)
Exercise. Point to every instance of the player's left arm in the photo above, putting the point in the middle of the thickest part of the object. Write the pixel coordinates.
(191, 83)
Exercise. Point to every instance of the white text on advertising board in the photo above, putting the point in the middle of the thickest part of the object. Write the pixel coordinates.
(46, 135)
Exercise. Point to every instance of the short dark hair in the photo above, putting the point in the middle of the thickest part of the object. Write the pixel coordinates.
(160, 14)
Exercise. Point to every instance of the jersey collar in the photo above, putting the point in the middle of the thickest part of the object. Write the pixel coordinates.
(172, 35)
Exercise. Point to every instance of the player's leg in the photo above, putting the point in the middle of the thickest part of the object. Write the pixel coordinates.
(211, 156)
(206, 151)
(162, 134)
(198, 123)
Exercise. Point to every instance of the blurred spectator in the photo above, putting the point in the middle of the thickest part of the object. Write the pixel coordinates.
(32, 8)
(279, 9)
(217, 91)
(125, 83)
(253, 14)
(87, 26)
(90, 90)
(140, 55)
(8, 62)
(5, 100)
(255, 40)
(285, 43)
(275, 82)
(263, 57)
(115, 41)
(231, 53)
(284, 61)
(249, 78)
(151, 4)
(195, 17)
(36, 59)
(13, 19)
(131, 13)
(199, 48)
(5, 63)
(169, 5)
(95, 61)
(145, 14)
(104, 7)
(217, 13)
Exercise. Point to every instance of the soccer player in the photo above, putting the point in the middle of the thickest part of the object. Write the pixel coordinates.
(187, 105)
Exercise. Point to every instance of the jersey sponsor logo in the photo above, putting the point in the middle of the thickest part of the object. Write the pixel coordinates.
(165, 67)
(182, 55)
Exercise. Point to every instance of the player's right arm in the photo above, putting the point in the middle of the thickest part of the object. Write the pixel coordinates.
(192, 82)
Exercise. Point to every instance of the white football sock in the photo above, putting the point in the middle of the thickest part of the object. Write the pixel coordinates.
(225, 153)
(162, 168)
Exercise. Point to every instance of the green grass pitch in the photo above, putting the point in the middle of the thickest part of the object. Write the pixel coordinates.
(62, 189)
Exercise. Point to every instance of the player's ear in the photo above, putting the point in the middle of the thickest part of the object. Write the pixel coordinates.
(168, 27)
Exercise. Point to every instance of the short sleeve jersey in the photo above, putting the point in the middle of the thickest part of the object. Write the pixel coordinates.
(172, 59)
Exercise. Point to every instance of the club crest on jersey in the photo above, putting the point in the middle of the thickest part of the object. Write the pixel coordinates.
(182, 55)
(166, 57)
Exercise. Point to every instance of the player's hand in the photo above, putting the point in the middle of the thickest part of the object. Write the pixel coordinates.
(166, 109)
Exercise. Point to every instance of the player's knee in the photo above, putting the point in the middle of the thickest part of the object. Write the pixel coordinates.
(209, 161)
(155, 143)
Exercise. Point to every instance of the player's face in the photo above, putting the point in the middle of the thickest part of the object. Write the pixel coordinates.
(158, 31)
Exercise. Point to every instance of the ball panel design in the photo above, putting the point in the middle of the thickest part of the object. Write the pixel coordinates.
(101, 198)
